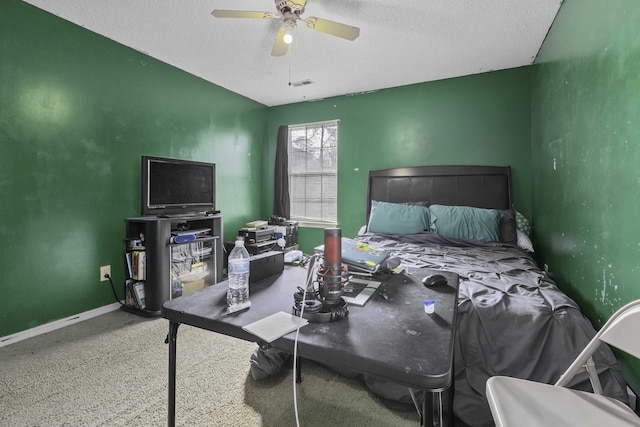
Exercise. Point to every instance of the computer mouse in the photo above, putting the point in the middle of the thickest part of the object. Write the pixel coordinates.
(434, 280)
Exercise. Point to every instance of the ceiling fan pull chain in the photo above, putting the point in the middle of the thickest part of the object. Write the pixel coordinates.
(289, 59)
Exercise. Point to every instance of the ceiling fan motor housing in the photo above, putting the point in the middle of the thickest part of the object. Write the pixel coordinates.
(296, 7)
(282, 6)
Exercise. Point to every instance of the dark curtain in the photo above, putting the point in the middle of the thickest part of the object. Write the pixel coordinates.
(281, 175)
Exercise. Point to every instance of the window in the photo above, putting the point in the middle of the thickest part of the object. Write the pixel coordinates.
(313, 173)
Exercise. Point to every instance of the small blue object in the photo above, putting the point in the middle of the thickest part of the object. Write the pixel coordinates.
(429, 306)
(183, 238)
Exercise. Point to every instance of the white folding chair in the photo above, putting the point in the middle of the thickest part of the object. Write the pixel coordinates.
(523, 403)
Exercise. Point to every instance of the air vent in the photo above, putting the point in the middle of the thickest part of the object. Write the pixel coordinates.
(302, 83)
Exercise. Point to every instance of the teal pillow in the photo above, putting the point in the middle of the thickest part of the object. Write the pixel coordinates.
(397, 218)
(466, 222)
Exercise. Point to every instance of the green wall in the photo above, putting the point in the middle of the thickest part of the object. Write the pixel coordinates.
(76, 112)
(586, 153)
(481, 119)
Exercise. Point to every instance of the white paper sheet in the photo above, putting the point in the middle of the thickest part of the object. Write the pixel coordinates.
(275, 326)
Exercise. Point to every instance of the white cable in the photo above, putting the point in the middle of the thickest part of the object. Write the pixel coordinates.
(295, 342)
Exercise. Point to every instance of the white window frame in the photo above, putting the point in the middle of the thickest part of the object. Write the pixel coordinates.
(307, 220)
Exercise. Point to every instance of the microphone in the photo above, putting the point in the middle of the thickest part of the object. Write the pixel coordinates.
(326, 304)
(332, 279)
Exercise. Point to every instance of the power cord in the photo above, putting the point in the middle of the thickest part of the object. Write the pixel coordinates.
(295, 342)
(113, 289)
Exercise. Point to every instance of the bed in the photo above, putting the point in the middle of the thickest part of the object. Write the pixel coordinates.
(512, 318)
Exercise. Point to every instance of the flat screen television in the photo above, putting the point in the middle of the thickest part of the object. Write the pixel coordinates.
(172, 187)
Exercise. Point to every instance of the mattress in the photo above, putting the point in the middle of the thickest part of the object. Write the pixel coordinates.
(512, 319)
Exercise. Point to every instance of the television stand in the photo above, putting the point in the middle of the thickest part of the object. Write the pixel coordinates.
(167, 269)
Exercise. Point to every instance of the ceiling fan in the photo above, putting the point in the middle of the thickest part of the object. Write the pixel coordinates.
(290, 11)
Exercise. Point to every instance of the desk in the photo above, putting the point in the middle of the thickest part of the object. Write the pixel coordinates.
(389, 337)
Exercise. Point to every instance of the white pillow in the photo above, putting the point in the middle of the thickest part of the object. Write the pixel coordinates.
(524, 242)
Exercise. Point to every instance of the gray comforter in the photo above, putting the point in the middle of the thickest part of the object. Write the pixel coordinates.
(512, 319)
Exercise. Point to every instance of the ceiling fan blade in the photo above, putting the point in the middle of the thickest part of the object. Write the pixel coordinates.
(296, 4)
(279, 46)
(243, 14)
(334, 28)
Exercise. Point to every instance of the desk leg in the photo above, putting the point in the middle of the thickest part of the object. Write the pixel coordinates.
(437, 409)
(173, 332)
(447, 402)
(426, 417)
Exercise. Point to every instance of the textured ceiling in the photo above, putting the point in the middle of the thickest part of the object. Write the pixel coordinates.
(400, 43)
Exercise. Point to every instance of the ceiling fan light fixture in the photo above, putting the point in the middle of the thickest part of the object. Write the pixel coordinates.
(288, 37)
(289, 28)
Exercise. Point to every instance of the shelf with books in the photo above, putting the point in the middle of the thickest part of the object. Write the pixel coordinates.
(134, 291)
(136, 264)
(164, 269)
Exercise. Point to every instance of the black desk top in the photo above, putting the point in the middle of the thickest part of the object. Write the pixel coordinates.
(392, 338)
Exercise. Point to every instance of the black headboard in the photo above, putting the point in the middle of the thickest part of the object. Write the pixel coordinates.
(479, 186)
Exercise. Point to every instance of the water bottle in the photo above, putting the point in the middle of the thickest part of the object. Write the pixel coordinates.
(238, 293)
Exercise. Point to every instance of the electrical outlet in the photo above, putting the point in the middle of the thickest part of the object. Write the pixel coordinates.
(105, 270)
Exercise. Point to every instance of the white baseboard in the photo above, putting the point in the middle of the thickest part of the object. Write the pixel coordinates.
(57, 324)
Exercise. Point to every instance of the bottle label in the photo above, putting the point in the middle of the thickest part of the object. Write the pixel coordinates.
(239, 266)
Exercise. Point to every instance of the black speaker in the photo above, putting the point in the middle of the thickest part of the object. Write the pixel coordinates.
(265, 264)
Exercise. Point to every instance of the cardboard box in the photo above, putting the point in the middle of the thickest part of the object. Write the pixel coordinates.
(191, 287)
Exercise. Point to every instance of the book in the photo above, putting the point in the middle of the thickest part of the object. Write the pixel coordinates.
(142, 265)
(129, 265)
(359, 255)
(138, 261)
(134, 264)
(129, 296)
(362, 255)
(138, 292)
